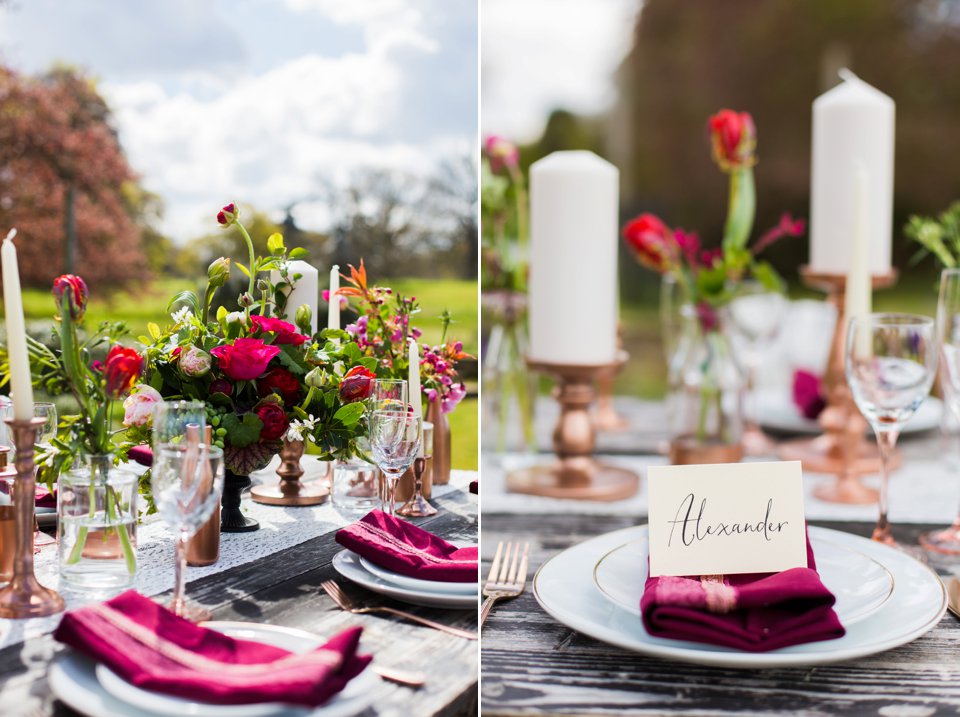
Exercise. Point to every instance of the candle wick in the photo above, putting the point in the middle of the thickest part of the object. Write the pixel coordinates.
(846, 74)
(10, 235)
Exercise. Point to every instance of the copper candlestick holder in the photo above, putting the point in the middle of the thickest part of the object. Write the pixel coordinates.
(290, 491)
(606, 418)
(842, 450)
(576, 473)
(25, 596)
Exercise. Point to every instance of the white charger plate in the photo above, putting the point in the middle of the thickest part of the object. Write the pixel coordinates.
(435, 586)
(96, 691)
(348, 564)
(565, 589)
(776, 411)
(861, 584)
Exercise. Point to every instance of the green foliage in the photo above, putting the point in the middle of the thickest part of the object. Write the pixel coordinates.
(244, 430)
(939, 235)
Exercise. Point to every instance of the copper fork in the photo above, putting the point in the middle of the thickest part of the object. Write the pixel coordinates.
(506, 577)
(346, 603)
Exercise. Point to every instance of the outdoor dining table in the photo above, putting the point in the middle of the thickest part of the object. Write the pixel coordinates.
(533, 665)
(273, 576)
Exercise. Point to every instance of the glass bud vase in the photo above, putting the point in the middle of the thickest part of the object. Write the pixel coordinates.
(705, 400)
(97, 526)
(509, 386)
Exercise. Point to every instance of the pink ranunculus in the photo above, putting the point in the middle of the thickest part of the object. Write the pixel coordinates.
(194, 362)
(245, 359)
(138, 406)
(285, 332)
(501, 153)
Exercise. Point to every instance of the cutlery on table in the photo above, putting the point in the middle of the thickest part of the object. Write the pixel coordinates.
(346, 603)
(506, 577)
(401, 677)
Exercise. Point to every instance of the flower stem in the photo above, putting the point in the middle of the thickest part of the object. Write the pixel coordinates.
(253, 258)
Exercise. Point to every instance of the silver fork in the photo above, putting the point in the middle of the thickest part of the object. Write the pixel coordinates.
(506, 577)
(346, 603)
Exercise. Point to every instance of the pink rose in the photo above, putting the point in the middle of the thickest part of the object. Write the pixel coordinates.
(286, 333)
(138, 406)
(245, 359)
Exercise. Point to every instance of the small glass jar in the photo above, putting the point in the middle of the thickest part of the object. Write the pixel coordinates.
(356, 488)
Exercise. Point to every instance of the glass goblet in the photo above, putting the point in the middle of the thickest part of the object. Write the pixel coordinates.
(388, 394)
(890, 365)
(171, 419)
(186, 480)
(395, 438)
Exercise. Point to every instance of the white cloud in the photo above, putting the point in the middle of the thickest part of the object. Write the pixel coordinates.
(538, 55)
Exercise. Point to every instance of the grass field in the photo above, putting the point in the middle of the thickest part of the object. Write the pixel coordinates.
(149, 303)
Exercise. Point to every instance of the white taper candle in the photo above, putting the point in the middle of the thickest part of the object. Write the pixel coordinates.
(333, 310)
(21, 385)
(413, 384)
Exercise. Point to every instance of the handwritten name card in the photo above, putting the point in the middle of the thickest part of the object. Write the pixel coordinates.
(726, 519)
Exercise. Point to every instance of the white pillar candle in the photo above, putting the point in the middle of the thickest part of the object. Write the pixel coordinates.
(574, 237)
(852, 122)
(858, 297)
(21, 385)
(305, 290)
(333, 310)
(413, 384)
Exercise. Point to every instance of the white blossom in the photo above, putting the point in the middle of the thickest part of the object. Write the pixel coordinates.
(298, 429)
(181, 316)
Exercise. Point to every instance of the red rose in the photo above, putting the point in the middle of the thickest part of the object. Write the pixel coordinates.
(121, 370)
(652, 242)
(501, 153)
(280, 381)
(74, 289)
(357, 384)
(245, 359)
(274, 421)
(228, 215)
(285, 333)
(221, 385)
(734, 138)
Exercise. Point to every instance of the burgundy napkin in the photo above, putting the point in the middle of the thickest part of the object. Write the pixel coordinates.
(758, 612)
(808, 393)
(400, 546)
(43, 498)
(475, 487)
(142, 455)
(150, 647)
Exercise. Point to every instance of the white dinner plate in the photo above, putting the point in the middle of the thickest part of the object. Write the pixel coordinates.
(46, 517)
(564, 587)
(860, 583)
(434, 586)
(776, 411)
(347, 563)
(96, 691)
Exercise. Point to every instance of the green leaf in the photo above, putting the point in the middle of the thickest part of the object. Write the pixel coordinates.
(154, 330)
(275, 243)
(242, 432)
(298, 253)
(244, 269)
(289, 362)
(185, 298)
(349, 415)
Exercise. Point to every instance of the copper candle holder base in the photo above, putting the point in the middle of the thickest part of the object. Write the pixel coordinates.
(417, 506)
(24, 596)
(290, 491)
(576, 474)
(842, 450)
(606, 418)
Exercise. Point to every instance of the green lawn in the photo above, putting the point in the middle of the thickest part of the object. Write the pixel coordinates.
(149, 303)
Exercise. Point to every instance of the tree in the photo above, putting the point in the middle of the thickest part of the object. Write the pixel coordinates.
(63, 177)
(451, 200)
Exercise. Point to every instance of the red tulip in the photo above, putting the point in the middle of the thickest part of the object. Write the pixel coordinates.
(357, 384)
(274, 419)
(228, 215)
(121, 370)
(74, 289)
(245, 359)
(285, 332)
(734, 139)
(652, 242)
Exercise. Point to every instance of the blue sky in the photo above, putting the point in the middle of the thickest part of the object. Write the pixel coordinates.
(264, 100)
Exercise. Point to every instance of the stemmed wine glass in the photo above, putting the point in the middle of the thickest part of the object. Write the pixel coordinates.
(388, 394)
(187, 480)
(890, 365)
(756, 315)
(395, 438)
(418, 506)
(947, 540)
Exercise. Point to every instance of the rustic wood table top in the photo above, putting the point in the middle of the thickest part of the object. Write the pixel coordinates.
(283, 589)
(533, 665)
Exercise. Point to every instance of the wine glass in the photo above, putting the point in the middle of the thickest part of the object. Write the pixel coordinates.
(186, 480)
(172, 418)
(388, 394)
(756, 315)
(947, 540)
(890, 365)
(418, 506)
(395, 438)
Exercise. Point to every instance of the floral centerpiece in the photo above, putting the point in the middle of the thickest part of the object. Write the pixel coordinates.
(705, 380)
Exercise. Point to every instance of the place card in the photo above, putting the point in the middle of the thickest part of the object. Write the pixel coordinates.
(727, 518)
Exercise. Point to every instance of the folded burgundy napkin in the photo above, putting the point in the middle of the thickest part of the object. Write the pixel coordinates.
(475, 487)
(808, 393)
(150, 647)
(43, 498)
(757, 612)
(142, 455)
(400, 546)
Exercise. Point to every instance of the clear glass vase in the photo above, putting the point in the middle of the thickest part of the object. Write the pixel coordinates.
(705, 399)
(509, 387)
(97, 526)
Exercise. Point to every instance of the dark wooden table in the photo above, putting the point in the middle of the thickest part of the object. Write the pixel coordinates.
(532, 665)
(283, 589)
